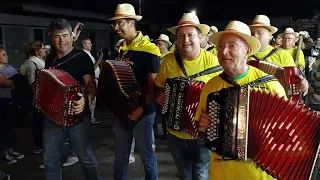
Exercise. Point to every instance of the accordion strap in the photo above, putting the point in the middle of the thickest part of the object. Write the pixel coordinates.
(202, 73)
(274, 50)
(54, 61)
(262, 80)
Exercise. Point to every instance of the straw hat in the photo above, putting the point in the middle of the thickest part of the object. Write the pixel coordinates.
(125, 11)
(190, 19)
(289, 30)
(240, 29)
(213, 30)
(263, 21)
(164, 38)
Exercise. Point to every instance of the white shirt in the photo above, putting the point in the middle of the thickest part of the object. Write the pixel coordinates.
(97, 70)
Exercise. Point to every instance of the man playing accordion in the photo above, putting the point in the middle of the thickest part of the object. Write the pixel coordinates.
(79, 66)
(190, 155)
(234, 46)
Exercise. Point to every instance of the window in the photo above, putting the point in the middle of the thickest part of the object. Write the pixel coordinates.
(38, 34)
(1, 36)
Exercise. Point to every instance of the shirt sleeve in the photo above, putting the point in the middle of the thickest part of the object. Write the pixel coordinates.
(154, 64)
(86, 65)
(301, 61)
(160, 78)
(30, 72)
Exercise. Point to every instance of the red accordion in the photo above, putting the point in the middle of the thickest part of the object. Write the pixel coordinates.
(119, 91)
(55, 90)
(182, 97)
(287, 76)
(281, 136)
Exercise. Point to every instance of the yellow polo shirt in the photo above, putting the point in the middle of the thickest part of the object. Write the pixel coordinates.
(169, 68)
(230, 169)
(301, 61)
(213, 51)
(280, 58)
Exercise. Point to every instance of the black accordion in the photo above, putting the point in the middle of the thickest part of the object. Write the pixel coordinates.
(119, 91)
(281, 136)
(182, 97)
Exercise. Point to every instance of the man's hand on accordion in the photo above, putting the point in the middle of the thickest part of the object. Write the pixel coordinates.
(136, 114)
(78, 106)
(204, 122)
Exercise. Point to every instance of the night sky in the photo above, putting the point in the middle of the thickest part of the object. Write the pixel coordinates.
(170, 11)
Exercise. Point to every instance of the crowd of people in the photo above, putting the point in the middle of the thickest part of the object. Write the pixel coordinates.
(197, 47)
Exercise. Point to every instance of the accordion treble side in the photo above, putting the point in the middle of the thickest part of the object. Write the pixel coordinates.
(119, 91)
(182, 97)
(54, 92)
(281, 136)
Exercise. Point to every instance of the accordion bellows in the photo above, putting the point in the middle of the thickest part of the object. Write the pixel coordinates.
(118, 91)
(182, 96)
(287, 76)
(281, 136)
(55, 90)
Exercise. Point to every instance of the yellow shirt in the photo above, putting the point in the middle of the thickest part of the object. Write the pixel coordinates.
(301, 61)
(213, 51)
(231, 169)
(169, 68)
(164, 54)
(280, 58)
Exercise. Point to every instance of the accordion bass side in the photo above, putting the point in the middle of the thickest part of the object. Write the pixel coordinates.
(281, 136)
(119, 91)
(54, 92)
(182, 96)
(287, 76)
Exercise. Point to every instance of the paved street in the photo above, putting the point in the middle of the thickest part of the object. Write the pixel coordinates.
(103, 143)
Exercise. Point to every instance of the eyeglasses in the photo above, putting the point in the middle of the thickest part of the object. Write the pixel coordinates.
(119, 23)
(230, 46)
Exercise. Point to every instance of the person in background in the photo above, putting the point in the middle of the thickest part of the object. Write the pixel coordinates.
(37, 52)
(87, 47)
(289, 39)
(10, 156)
(163, 42)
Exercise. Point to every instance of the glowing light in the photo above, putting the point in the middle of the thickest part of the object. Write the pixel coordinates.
(194, 12)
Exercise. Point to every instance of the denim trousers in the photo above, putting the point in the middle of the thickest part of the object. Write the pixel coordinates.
(54, 136)
(191, 157)
(143, 135)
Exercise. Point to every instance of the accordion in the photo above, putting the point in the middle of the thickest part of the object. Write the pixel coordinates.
(287, 76)
(119, 91)
(55, 90)
(281, 136)
(182, 96)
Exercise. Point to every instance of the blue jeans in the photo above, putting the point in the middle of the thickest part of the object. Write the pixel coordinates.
(54, 137)
(143, 135)
(191, 157)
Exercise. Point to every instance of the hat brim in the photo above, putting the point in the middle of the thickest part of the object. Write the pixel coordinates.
(296, 35)
(270, 28)
(204, 29)
(137, 18)
(168, 42)
(253, 42)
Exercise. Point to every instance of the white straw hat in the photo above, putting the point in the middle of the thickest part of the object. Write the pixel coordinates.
(125, 11)
(190, 19)
(242, 30)
(164, 38)
(263, 21)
